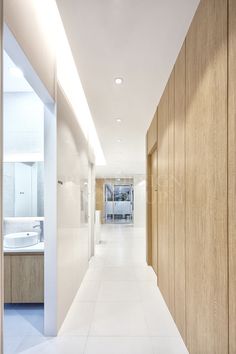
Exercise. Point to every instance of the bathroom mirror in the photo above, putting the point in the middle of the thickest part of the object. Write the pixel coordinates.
(23, 189)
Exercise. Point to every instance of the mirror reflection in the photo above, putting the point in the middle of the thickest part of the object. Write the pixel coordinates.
(23, 187)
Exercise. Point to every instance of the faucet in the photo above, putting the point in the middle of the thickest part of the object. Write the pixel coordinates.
(40, 225)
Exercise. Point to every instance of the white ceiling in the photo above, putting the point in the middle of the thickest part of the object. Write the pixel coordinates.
(134, 39)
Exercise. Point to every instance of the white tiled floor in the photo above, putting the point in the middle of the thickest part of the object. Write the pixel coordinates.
(118, 309)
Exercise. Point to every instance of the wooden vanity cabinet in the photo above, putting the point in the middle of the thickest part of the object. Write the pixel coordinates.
(24, 278)
(7, 279)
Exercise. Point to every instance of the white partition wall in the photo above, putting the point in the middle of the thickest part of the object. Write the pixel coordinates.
(91, 209)
(50, 229)
(45, 107)
(69, 195)
(72, 206)
(1, 174)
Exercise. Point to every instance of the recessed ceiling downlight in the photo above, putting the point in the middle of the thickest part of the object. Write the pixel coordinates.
(119, 80)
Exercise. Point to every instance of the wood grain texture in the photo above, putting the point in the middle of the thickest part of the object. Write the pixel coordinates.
(148, 208)
(27, 278)
(7, 279)
(100, 197)
(171, 190)
(154, 208)
(152, 134)
(179, 192)
(232, 174)
(163, 195)
(151, 143)
(206, 180)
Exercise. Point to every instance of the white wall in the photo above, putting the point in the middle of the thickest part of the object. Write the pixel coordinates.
(23, 117)
(1, 174)
(91, 209)
(33, 25)
(139, 201)
(72, 207)
(66, 205)
(50, 224)
(23, 186)
(23, 126)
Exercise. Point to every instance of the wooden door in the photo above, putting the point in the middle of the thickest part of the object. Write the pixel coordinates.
(154, 208)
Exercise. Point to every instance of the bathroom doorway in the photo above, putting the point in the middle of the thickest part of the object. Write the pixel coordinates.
(29, 190)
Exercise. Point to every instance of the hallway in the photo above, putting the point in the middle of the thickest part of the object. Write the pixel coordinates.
(118, 309)
(118, 141)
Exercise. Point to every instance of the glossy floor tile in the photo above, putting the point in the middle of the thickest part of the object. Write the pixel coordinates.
(78, 320)
(122, 319)
(119, 291)
(173, 345)
(119, 345)
(117, 310)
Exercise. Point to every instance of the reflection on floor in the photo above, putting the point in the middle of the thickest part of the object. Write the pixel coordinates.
(23, 325)
(119, 221)
(118, 309)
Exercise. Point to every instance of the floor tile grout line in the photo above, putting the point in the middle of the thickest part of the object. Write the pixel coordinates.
(141, 273)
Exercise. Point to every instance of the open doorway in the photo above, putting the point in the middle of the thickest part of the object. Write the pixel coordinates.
(119, 201)
(27, 107)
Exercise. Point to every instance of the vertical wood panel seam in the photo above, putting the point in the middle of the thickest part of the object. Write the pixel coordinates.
(185, 182)
(168, 179)
(148, 238)
(150, 208)
(169, 228)
(157, 194)
(174, 190)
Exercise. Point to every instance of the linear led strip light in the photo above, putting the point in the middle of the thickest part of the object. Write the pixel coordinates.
(67, 74)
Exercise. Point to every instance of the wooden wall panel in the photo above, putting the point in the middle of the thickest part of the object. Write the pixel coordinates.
(179, 192)
(206, 180)
(99, 193)
(163, 193)
(100, 196)
(196, 145)
(148, 207)
(171, 189)
(154, 209)
(151, 143)
(232, 175)
(152, 134)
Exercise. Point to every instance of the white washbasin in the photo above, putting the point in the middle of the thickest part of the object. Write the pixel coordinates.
(21, 239)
